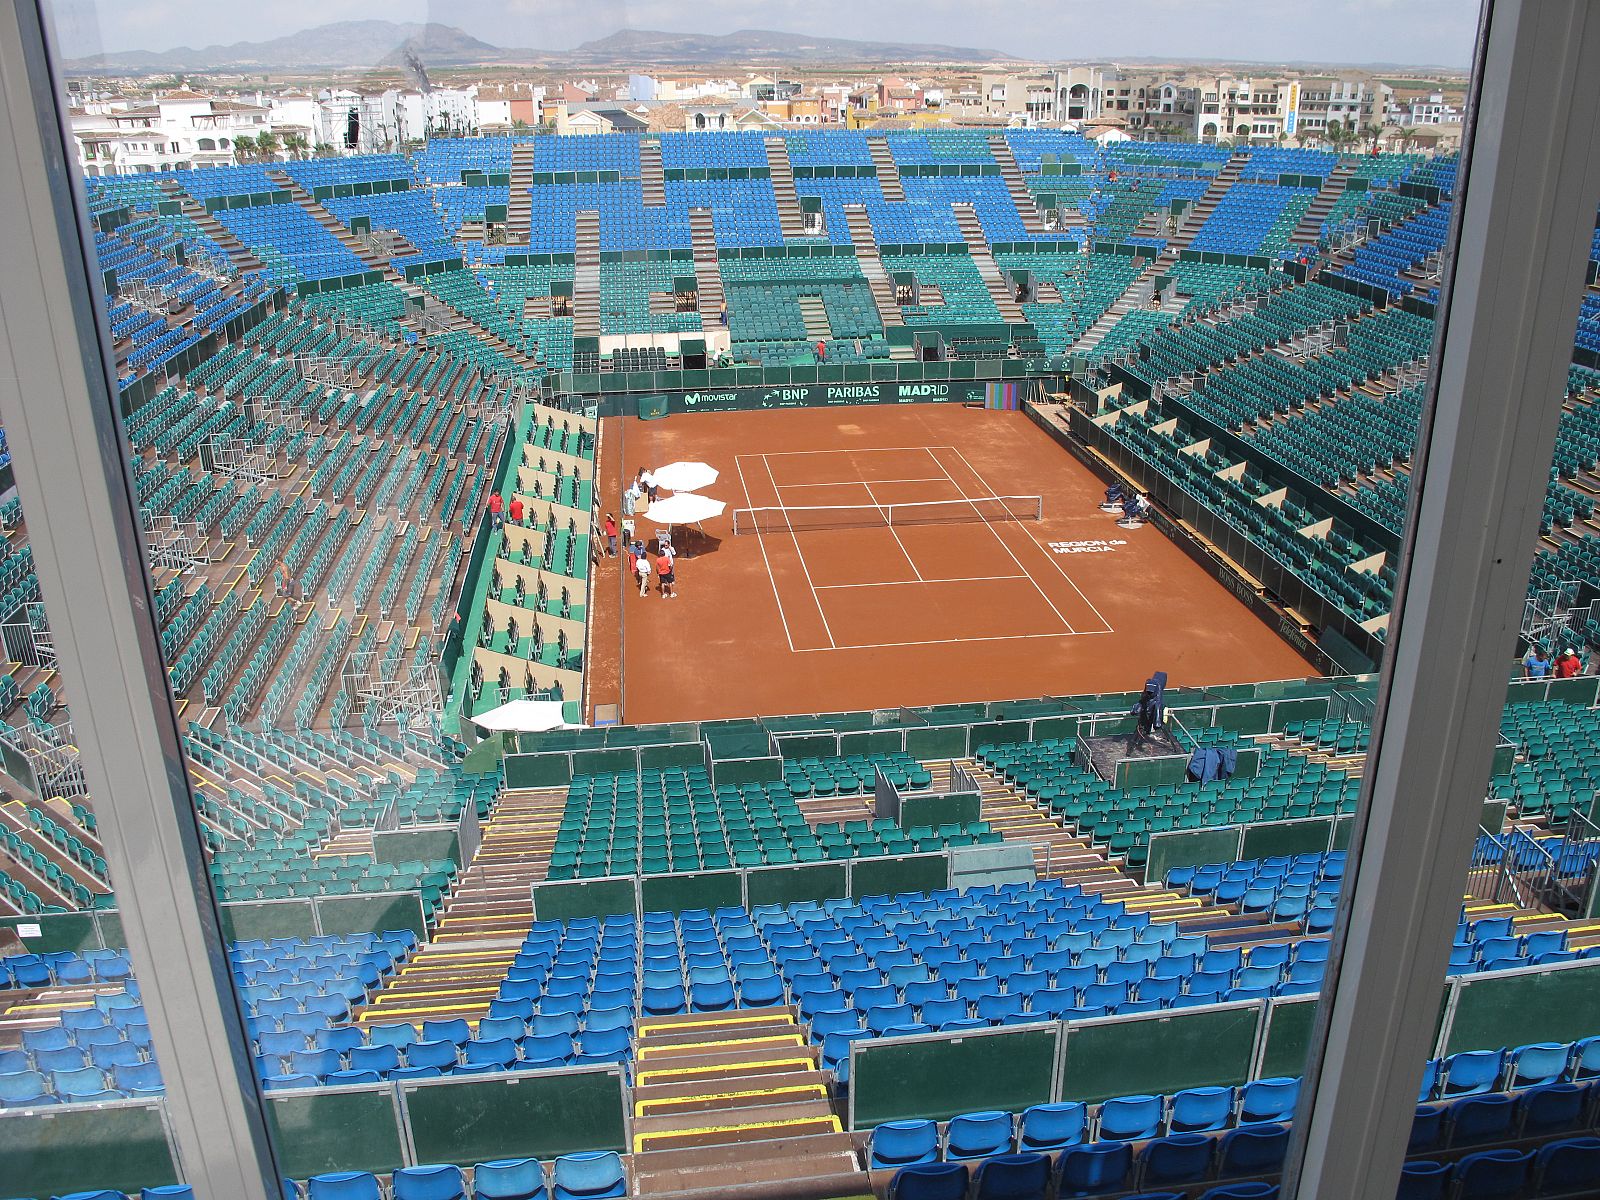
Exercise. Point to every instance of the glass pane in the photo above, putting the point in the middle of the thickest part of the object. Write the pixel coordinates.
(80, 1090)
(989, 396)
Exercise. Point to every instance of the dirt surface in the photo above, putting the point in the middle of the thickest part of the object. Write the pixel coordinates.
(833, 609)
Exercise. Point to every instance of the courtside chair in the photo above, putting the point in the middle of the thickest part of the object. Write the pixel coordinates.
(977, 1135)
(1568, 1167)
(1493, 1174)
(1094, 1168)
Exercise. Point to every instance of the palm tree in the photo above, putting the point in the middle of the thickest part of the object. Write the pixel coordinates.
(1372, 133)
(295, 144)
(267, 145)
(244, 147)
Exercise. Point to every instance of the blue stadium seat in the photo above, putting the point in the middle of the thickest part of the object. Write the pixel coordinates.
(977, 1135)
(1492, 1174)
(1541, 1062)
(929, 1181)
(1176, 1158)
(591, 1175)
(508, 1179)
(1200, 1110)
(903, 1144)
(1051, 1127)
(1094, 1168)
(1568, 1167)
(344, 1185)
(1013, 1177)
(1128, 1118)
(1481, 1118)
(1423, 1179)
(429, 1183)
(1252, 1150)
(1470, 1073)
(1268, 1100)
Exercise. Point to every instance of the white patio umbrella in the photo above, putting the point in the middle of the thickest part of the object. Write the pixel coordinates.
(524, 716)
(685, 476)
(684, 508)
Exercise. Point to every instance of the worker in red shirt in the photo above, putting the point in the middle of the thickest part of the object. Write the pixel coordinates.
(666, 577)
(516, 510)
(611, 536)
(1569, 664)
(496, 505)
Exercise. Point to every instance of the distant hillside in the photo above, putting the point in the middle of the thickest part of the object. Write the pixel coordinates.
(342, 44)
(645, 46)
(366, 44)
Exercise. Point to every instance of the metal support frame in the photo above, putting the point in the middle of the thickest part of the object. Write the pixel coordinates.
(1525, 206)
(70, 454)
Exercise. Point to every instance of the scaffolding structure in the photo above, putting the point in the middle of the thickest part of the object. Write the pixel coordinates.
(174, 545)
(1547, 614)
(410, 697)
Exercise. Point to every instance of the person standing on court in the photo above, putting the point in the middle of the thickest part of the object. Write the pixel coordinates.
(641, 568)
(630, 499)
(648, 482)
(667, 576)
(610, 526)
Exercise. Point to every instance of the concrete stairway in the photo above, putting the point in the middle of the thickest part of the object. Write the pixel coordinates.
(1016, 184)
(1310, 227)
(815, 315)
(888, 172)
(710, 298)
(652, 179)
(335, 227)
(972, 233)
(734, 1098)
(238, 253)
(866, 244)
(790, 220)
(586, 276)
(1139, 290)
(519, 208)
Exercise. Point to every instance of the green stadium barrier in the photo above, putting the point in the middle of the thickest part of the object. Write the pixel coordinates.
(736, 740)
(808, 745)
(677, 754)
(427, 843)
(872, 741)
(1151, 772)
(1269, 838)
(1555, 1003)
(1343, 827)
(536, 1114)
(937, 741)
(341, 915)
(336, 1129)
(1494, 816)
(1159, 1053)
(790, 884)
(1190, 848)
(1286, 1036)
(1009, 1069)
(1253, 717)
(739, 771)
(1000, 733)
(888, 876)
(52, 1151)
(675, 893)
(49, 933)
(566, 900)
(266, 919)
(950, 808)
(537, 770)
(604, 762)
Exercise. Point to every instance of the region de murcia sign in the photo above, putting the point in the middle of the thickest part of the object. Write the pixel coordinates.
(1091, 546)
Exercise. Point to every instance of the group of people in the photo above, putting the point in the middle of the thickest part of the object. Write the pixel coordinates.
(642, 490)
(499, 510)
(1539, 665)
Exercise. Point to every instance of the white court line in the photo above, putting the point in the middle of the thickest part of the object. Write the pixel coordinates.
(1003, 637)
(867, 482)
(911, 562)
(1004, 545)
(771, 578)
(1053, 559)
(824, 587)
(847, 450)
(804, 566)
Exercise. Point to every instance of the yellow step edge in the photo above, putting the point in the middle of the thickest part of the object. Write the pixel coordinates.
(642, 1108)
(642, 1078)
(649, 1026)
(787, 1039)
(829, 1123)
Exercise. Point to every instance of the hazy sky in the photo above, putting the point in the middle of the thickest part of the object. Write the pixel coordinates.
(1359, 31)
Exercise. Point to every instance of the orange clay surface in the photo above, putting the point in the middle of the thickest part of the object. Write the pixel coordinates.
(873, 617)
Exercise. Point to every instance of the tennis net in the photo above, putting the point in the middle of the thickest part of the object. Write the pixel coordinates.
(984, 509)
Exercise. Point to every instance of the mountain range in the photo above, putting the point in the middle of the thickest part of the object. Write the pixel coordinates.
(364, 45)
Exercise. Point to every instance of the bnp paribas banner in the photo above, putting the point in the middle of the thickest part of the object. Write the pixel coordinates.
(821, 395)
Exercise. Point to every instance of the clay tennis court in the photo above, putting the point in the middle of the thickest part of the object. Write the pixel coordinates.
(893, 558)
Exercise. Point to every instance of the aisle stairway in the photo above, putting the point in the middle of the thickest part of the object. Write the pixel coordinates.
(734, 1098)
(239, 255)
(1027, 209)
(815, 315)
(492, 897)
(519, 209)
(1139, 289)
(978, 245)
(586, 275)
(866, 244)
(1310, 227)
(790, 220)
(652, 179)
(710, 298)
(335, 227)
(888, 172)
